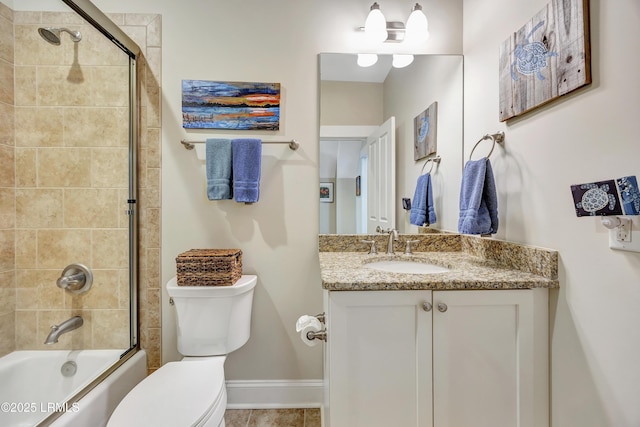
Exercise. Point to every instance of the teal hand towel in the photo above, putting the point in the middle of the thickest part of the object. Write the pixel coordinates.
(218, 164)
(478, 199)
(247, 157)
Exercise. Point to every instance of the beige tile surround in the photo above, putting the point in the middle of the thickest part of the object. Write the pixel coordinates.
(63, 184)
(7, 185)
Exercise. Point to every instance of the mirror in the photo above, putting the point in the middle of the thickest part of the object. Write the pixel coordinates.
(354, 103)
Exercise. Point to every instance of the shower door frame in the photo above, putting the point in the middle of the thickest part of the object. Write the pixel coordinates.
(102, 23)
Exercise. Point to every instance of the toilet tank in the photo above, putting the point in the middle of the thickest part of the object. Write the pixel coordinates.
(212, 320)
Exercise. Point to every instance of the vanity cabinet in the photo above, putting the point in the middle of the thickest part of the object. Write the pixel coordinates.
(436, 358)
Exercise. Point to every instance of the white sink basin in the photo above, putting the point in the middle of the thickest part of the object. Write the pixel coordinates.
(410, 267)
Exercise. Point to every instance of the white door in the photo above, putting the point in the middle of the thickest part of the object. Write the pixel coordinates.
(379, 359)
(381, 177)
(483, 359)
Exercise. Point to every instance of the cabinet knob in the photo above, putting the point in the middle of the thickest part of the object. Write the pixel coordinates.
(426, 306)
(442, 307)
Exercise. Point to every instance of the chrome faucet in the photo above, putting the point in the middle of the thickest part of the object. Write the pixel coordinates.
(393, 237)
(67, 326)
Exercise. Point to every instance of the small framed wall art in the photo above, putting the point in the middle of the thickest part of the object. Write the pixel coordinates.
(326, 192)
(230, 105)
(425, 127)
(546, 58)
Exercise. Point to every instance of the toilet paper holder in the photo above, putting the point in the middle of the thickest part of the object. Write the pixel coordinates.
(320, 335)
(312, 328)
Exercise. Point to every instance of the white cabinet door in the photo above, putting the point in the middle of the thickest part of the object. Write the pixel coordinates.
(485, 369)
(480, 359)
(379, 351)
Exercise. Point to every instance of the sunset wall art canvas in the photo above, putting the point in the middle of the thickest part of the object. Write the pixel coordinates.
(230, 105)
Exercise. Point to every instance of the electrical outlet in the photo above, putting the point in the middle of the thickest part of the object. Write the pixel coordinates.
(624, 238)
(623, 231)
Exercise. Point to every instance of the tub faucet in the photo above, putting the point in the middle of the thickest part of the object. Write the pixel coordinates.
(67, 326)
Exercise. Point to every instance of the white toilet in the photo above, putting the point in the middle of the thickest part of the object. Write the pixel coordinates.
(212, 322)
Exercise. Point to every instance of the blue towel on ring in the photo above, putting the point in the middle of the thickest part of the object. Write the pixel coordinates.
(422, 210)
(478, 199)
(218, 166)
(247, 157)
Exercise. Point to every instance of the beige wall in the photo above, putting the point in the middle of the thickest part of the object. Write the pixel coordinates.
(351, 103)
(588, 136)
(7, 185)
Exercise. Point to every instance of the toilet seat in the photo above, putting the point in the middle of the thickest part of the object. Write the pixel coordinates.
(186, 393)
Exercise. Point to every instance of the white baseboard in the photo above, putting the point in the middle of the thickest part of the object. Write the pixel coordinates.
(269, 394)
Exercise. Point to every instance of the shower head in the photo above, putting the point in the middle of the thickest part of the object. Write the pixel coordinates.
(52, 35)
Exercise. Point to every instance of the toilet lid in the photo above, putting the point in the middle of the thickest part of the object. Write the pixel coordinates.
(178, 394)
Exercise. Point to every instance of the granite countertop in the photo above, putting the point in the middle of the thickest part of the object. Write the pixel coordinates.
(469, 267)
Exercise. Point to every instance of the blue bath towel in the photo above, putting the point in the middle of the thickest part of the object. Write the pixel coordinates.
(478, 199)
(247, 156)
(218, 165)
(422, 211)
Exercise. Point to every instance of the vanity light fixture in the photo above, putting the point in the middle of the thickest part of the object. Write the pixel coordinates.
(417, 30)
(375, 27)
(378, 30)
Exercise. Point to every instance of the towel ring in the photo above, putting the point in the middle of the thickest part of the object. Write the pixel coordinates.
(496, 137)
(433, 161)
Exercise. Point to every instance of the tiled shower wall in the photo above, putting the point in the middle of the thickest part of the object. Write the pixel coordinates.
(7, 185)
(71, 183)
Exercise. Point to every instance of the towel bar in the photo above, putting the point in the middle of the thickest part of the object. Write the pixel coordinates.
(293, 144)
(496, 137)
(434, 160)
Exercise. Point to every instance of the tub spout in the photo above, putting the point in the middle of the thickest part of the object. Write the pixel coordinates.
(67, 326)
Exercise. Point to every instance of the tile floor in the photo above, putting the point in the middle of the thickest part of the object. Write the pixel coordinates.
(272, 417)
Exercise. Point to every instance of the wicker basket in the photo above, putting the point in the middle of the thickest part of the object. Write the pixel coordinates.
(209, 267)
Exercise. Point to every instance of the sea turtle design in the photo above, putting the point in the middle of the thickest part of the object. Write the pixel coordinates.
(424, 129)
(530, 58)
(596, 198)
(630, 195)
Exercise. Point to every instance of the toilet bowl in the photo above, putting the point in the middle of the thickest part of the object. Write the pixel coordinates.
(185, 393)
(212, 322)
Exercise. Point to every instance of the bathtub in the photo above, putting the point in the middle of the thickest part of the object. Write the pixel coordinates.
(36, 384)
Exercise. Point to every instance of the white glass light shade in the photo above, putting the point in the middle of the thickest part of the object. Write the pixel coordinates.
(417, 30)
(367, 59)
(375, 27)
(401, 60)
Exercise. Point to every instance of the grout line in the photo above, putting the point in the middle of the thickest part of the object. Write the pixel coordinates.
(249, 418)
